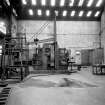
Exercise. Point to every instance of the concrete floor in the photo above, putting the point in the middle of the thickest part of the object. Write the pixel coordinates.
(30, 92)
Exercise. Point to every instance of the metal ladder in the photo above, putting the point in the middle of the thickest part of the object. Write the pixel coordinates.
(4, 95)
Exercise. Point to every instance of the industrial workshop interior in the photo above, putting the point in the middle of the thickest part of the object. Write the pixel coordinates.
(52, 52)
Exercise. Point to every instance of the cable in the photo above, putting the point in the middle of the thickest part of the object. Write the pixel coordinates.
(40, 30)
(37, 31)
(43, 28)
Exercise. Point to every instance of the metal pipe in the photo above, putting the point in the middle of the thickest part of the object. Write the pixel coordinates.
(100, 36)
(55, 42)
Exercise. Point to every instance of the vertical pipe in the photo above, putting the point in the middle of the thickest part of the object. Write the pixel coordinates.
(3, 61)
(100, 36)
(27, 57)
(55, 28)
(55, 42)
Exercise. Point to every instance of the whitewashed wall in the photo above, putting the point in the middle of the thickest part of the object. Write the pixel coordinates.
(33, 27)
(78, 34)
(70, 34)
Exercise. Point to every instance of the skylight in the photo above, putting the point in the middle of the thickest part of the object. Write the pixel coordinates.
(2, 27)
(90, 3)
(52, 2)
(2, 23)
(64, 13)
(97, 14)
(72, 13)
(81, 13)
(71, 3)
(62, 2)
(78, 10)
(39, 12)
(99, 3)
(24, 2)
(33, 2)
(8, 2)
(43, 2)
(31, 12)
(0, 46)
(80, 2)
(47, 12)
(89, 13)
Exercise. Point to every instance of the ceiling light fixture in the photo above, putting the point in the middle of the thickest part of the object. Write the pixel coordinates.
(39, 12)
(80, 2)
(47, 13)
(89, 13)
(64, 13)
(33, 2)
(71, 3)
(81, 13)
(31, 12)
(99, 3)
(90, 3)
(97, 14)
(43, 2)
(52, 2)
(72, 13)
(24, 2)
(62, 2)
